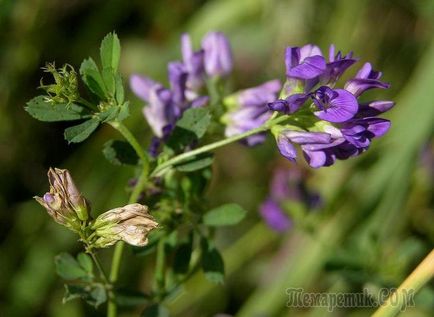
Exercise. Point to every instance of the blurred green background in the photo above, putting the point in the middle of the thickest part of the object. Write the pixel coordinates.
(378, 219)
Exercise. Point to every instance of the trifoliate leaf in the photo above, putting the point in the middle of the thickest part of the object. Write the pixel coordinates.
(81, 132)
(68, 268)
(42, 110)
(225, 215)
(94, 294)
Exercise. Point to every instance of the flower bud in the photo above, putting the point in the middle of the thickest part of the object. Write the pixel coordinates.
(131, 223)
(65, 87)
(218, 54)
(63, 202)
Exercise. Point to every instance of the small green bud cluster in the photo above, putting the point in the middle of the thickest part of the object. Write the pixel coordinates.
(65, 87)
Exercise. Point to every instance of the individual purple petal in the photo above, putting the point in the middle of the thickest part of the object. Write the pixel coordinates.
(374, 108)
(289, 105)
(161, 111)
(218, 54)
(279, 187)
(337, 108)
(141, 86)
(366, 72)
(315, 159)
(177, 79)
(302, 137)
(378, 127)
(309, 50)
(309, 68)
(358, 86)
(274, 216)
(199, 101)
(259, 95)
(286, 148)
(193, 62)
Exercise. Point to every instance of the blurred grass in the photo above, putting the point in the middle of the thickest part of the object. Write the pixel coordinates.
(379, 206)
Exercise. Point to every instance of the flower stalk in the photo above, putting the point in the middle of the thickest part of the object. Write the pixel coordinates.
(423, 273)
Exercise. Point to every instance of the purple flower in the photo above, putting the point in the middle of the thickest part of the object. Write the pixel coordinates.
(287, 186)
(274, 216)
(306, 62)
(344, 127)
(251, 111)
(193, 62)
(365, 79)
(335, 105)
(218, 54)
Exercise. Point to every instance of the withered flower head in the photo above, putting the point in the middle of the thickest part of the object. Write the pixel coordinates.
(63, 202)
(131, 223)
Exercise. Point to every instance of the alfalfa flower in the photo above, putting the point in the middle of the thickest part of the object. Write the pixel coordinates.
(64, 202)
(131, 223)
(218, 54)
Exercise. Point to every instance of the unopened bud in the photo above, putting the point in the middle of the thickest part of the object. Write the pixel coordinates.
(63, 202)
(131, 223)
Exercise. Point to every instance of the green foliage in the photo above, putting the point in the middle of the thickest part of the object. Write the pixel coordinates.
(40, 109)
(181, 262)
(196, 163)
(155, 310)
(212, 262)
(110, 52)
(195, 120)
(94, 294)
(92, 78)
(225, 215)
(120, 153)
(70, 268)
(81, 132)
(129, 298)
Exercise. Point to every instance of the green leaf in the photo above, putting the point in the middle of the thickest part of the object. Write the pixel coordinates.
(225, 215)
(155, 310)
(181, 262)
(196, 164)
(81, 132)
(68, 268)
(94, 294)
(85, 262)
(110, 51)
(108, 114)
(124, 111)
(92, 78)
(195, 120)
(120, 93)
(109, 80)
(212, 263)
(39, 109)
(120, 153)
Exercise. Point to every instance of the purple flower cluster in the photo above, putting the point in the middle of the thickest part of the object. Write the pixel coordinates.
(334, 124)
(186, 78)
(287, 186)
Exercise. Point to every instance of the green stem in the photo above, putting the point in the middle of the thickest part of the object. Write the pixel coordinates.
(395, 304)
(99, 267)
(119, 248)
(132, 140)
(209, 147)
(159, 267)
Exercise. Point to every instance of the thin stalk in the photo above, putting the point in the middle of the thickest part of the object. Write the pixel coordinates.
(159, 170)
(160, 267)
(132, 140)
(397, 302)
(100, 268)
